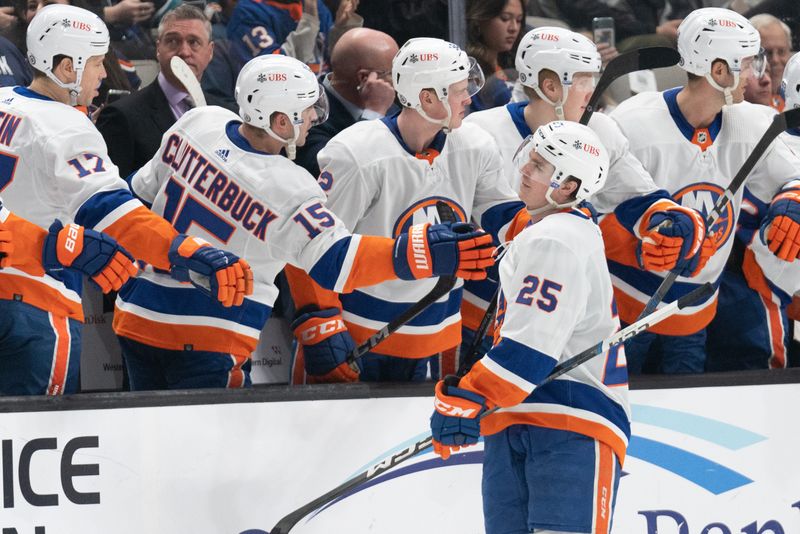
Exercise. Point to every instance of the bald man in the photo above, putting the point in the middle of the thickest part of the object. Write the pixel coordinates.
(358, 88)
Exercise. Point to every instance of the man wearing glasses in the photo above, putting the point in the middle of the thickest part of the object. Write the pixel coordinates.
(358, 88)
(132, 127)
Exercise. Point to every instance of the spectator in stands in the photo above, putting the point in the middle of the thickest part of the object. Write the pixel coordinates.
(133, 126)
(494, 28)
(219, 80)
(776, 40)
(786, 10)
(302, 29)
(14, 69)
(758, 89)
(358, 88)
(638, 22)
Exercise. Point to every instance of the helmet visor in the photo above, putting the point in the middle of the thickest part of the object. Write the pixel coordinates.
(475, 78)
(321, 108)
(757, 64)
(530, 165)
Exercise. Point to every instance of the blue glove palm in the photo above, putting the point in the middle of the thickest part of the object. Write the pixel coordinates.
(455, 423)
(326, 344)
(452, 249)
(94, 254)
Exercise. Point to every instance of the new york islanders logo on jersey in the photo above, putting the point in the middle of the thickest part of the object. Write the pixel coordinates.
(702, 197)
(424, 211)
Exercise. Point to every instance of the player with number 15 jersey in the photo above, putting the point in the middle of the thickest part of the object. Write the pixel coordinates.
(229, 182)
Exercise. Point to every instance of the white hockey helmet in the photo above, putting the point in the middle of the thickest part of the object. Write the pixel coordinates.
(574, 150)
(60, 29)
(790, 85)
(559, 50)
(428, 63)
(279, 84)
(712, 33)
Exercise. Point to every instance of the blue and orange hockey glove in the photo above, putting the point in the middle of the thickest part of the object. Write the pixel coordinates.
(451, 249)
(672, 237)
(780, 230)
(218, 273)
(94, 254)
(455, 422)
(326, 344)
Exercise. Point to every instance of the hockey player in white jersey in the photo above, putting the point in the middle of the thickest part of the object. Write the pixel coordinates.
(556, 69)
(550, 451)
(54, 165)
(383, 176)
(692, 140)
(750, 329)
(225, 174)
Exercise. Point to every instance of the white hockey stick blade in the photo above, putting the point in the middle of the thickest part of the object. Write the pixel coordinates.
(185, 75)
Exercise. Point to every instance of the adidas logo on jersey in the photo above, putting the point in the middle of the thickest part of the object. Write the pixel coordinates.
(223, 154)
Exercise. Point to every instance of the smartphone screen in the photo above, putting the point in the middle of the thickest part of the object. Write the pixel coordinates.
(603, 30)
(115, 94)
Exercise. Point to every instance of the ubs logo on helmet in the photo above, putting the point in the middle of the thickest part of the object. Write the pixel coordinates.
(78, 25)
(702, 197)
(429, 56)
(424, 211)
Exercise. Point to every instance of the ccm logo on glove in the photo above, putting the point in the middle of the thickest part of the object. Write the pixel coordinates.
(322, 329)
(453, 411)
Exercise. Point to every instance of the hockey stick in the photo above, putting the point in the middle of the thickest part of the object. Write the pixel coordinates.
(185, 75)
(642, 59)
(780, 123)
(287, 523)
(443, 286)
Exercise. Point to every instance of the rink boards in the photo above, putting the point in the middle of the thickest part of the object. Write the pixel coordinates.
(710, 460)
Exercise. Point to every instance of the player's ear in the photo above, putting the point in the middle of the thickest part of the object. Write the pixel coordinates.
(64, 68)
(550, 87)
(427, 96)
(719, 69)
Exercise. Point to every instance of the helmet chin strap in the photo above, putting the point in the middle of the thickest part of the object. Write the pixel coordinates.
(558, 105)
(727, 91)
(74, 88)
(444, 123)
(291, 146)
(551, 205)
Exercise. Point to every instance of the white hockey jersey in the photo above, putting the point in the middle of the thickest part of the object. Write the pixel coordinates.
(54, 165)
(556, 301)
(627, 180)
(695, 167)
(626, 176)
(206, 177)
(378, 186)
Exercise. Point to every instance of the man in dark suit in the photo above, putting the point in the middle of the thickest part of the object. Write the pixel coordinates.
(132, 127)
(358, 88)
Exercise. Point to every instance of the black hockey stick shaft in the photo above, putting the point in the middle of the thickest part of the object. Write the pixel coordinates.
(780, 123)
(473, 353)
(288, 522)
(642, 59)
(443, 286)
(654, 57)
